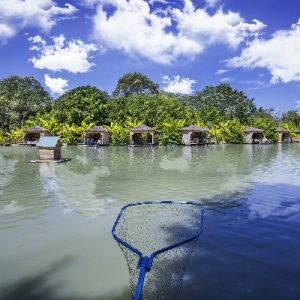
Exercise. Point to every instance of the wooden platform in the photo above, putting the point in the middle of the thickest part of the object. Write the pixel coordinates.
(49, 160)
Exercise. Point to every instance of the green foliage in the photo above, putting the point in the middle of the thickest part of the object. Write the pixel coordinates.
(119, 134)
(2, 137)
(222, 103)
(83, 104)
(171, 133)
(291, 117)
(21, 98)
(51, 125)
(135, 83)
(230, 131)
(70, 134)
(268, 124)
(15, 136)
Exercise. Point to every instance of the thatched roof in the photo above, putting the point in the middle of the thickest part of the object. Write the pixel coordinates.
(96, 129)
(195, 128)
(297, 131)
(35, 129)
(253, 129)
(142, 128)
(278, 129)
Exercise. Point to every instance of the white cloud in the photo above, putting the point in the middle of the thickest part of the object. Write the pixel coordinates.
(226, 79)
(297, 103)
(56, 85)
(41, 14)
(71, 56)
(221, 71)
(6, 32)
(212, 3)
(280, 55)
(165, 37)
(178, 85)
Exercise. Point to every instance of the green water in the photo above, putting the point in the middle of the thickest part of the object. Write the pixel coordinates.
(56, 219)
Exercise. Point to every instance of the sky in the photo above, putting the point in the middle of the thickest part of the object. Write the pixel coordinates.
(183, 46)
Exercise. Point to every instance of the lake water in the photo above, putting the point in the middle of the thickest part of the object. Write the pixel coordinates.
(56, 219)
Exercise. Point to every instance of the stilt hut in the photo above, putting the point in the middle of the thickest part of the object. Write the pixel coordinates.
(142, 135)
(284, 135)
(253, 135)
(96, 136)
(32, 135)
(194, 135)
(296, 138)
(49, 148)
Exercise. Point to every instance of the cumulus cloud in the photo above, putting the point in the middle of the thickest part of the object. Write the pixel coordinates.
(178, 85)
(131, 27)
(56, 85)
(280, 55)
(18, 14)
(72, 56)
(297, 103)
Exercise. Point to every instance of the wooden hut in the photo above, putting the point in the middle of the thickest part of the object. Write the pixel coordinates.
(253, 135)
(284, 135)
(142, 135)
(32, 135)
(194, 135)
(49, 148)
(296, 138)
(96, 136)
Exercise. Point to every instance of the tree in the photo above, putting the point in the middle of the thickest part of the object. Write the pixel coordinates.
(171, 133)
(83, 104)
(21, 98)
(222, 101)
(51, 125)
(135, 83)
(291, 116)
(119, 134)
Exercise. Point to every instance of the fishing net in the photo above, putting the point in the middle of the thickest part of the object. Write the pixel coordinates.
(157, 239)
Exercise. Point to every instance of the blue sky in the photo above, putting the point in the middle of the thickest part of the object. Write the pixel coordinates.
(181, 45)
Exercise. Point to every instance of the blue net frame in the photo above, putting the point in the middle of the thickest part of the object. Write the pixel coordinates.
(157, 239)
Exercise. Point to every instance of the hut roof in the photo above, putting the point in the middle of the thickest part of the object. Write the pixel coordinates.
(35, 129)
(142, 128)
(96, 129)
(278, 129)
(297, 131)
(195, 128)
(253, 129)
(48, 141)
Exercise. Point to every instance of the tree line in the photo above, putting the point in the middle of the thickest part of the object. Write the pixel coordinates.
(136, 99)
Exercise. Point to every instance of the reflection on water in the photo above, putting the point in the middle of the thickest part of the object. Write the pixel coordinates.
(50, 212)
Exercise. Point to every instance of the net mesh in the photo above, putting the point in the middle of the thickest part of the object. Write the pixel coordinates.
(150, 227)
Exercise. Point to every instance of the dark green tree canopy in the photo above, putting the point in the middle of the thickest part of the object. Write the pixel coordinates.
(21, 98)
(291, 116)
(228, 102)
(135, 83)
(83, 104)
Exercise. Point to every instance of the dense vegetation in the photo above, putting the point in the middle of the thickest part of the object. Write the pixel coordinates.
(225, 111)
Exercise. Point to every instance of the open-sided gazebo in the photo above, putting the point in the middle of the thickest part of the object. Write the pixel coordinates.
(296, 137)
(96, 135)
(284, 135)
(253, 135)
(194, 135)
(142, 135)
(33, 134)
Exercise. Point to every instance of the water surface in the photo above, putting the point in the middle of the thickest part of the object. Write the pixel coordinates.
(56, 219)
